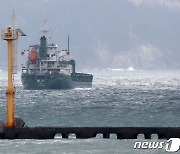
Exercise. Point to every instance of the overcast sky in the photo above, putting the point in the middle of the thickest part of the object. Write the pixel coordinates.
(144, 34)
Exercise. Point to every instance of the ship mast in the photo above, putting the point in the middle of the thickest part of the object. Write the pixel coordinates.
(68, 42)
(10, 35)
(68, 57)
(45, 30)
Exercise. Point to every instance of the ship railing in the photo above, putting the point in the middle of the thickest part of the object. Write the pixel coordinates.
(43, 71)
(81, 74)
(9, 34)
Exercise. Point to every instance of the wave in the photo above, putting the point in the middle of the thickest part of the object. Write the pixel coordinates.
(130, 69)
(115, 69)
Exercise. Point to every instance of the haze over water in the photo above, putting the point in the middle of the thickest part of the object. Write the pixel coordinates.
(117, 98)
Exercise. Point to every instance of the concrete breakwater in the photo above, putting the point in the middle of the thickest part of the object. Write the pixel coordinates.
(89, 132)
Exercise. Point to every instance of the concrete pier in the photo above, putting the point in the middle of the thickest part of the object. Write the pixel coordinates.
(89, 132)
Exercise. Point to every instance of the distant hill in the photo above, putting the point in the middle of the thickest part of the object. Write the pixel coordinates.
(118, 33)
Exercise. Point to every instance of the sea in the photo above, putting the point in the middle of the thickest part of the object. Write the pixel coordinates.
(117, 98)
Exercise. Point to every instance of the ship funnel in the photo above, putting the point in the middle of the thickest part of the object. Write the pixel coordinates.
(43, 47)
(72, 62)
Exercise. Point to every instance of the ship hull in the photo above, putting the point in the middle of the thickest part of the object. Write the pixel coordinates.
(56, 81)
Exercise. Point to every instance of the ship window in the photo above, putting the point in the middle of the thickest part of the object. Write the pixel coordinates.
(24, 71)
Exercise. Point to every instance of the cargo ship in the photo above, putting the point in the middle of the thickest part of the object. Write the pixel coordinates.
(50, 68)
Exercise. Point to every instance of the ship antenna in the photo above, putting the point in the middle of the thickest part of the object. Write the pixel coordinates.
(13, 19)
(45, 30)
(68, 42)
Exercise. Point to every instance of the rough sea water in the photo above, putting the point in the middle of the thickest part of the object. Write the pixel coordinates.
(117, 98)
